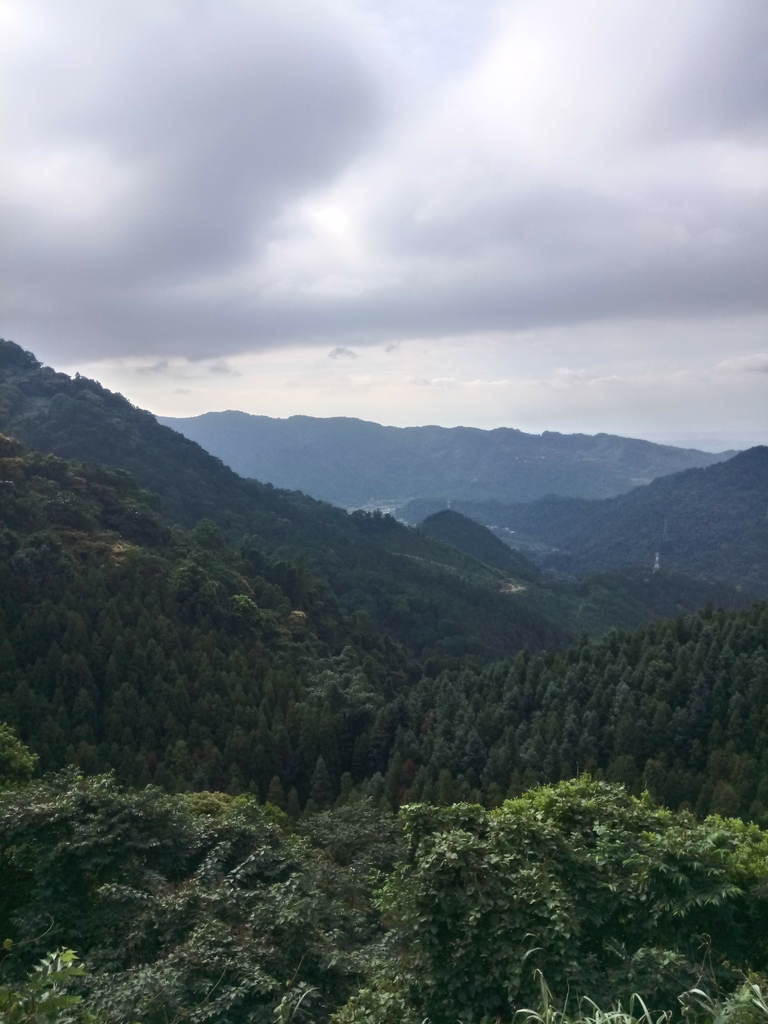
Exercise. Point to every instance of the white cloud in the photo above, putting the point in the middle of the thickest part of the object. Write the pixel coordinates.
(757, 362)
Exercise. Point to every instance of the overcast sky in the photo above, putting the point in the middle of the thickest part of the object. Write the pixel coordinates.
(549, 214)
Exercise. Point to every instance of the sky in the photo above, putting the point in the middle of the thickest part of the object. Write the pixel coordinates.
(545, 214)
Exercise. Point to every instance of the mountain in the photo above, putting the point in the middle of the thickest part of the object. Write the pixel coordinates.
(424, 594)
(679, 708)
(354, 463)
(618, 598)
(430, 594)
(477, 541)
(155, 652)
(216, 669)
(711, 522)
(171, 656)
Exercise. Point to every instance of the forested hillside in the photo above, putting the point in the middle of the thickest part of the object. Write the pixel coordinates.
(425, 594)
(621, 598)
(353, 462)
(326, 800)
(679, 708)
(173, 657)
(712, 522)
(468, 536)
(422, 592)
(170, 656)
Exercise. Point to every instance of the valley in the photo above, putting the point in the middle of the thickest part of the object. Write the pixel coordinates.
(710, 522)
(233, 706)
(384, 512)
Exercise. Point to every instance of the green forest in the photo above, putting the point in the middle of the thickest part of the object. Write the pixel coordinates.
(711, 522)
(262, 760)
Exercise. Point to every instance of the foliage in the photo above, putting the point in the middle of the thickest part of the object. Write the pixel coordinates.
(473, 539)
(621, 598)
(190, 908)
(17, 763)
(170, 656)
(711, 522)
(270, 651)
(677, 707)
(604, 894)
(178, 659)
(45, 995)
(748, 1004)
(588, 1012)
(207, 907)
(427, 596)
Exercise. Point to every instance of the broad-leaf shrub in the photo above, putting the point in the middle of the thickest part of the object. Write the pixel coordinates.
(605, 894)
(45, 996)
(16, 762)
(202, 907)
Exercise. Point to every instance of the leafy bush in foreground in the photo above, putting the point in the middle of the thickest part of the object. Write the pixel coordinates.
(45, 995)
(605, 894)
(201, 907)
(207, 907)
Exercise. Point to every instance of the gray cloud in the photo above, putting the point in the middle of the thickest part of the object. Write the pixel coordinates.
(756, 362)
(161, 366)
(209, 118)
(342, 353)
(166, 162)
(222, 369)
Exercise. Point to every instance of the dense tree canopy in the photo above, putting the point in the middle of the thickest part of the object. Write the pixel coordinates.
(679, 708)
(285, 763)
(207, 907)
(602, 893)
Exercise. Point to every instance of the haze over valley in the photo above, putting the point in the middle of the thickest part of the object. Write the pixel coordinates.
(354, 463)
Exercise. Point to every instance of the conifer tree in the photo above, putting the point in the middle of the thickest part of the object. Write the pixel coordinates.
(320, 791)
(446, 793)
(293, 807)
(276, 794)
(346, 786)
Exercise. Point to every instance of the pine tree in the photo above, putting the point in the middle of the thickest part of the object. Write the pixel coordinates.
(293, 807)
(446, 793)
(276, 794)
(320, 790)
(347, 785)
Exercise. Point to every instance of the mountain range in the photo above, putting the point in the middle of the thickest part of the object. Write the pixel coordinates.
(425, 592)
(711, 522)
(355, 463)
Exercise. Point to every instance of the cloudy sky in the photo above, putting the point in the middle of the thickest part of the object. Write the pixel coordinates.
(549, 214)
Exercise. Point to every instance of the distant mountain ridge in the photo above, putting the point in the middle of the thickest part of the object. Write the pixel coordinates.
(712, 522)
(435, 596)
(355, 463)
(424, 594)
